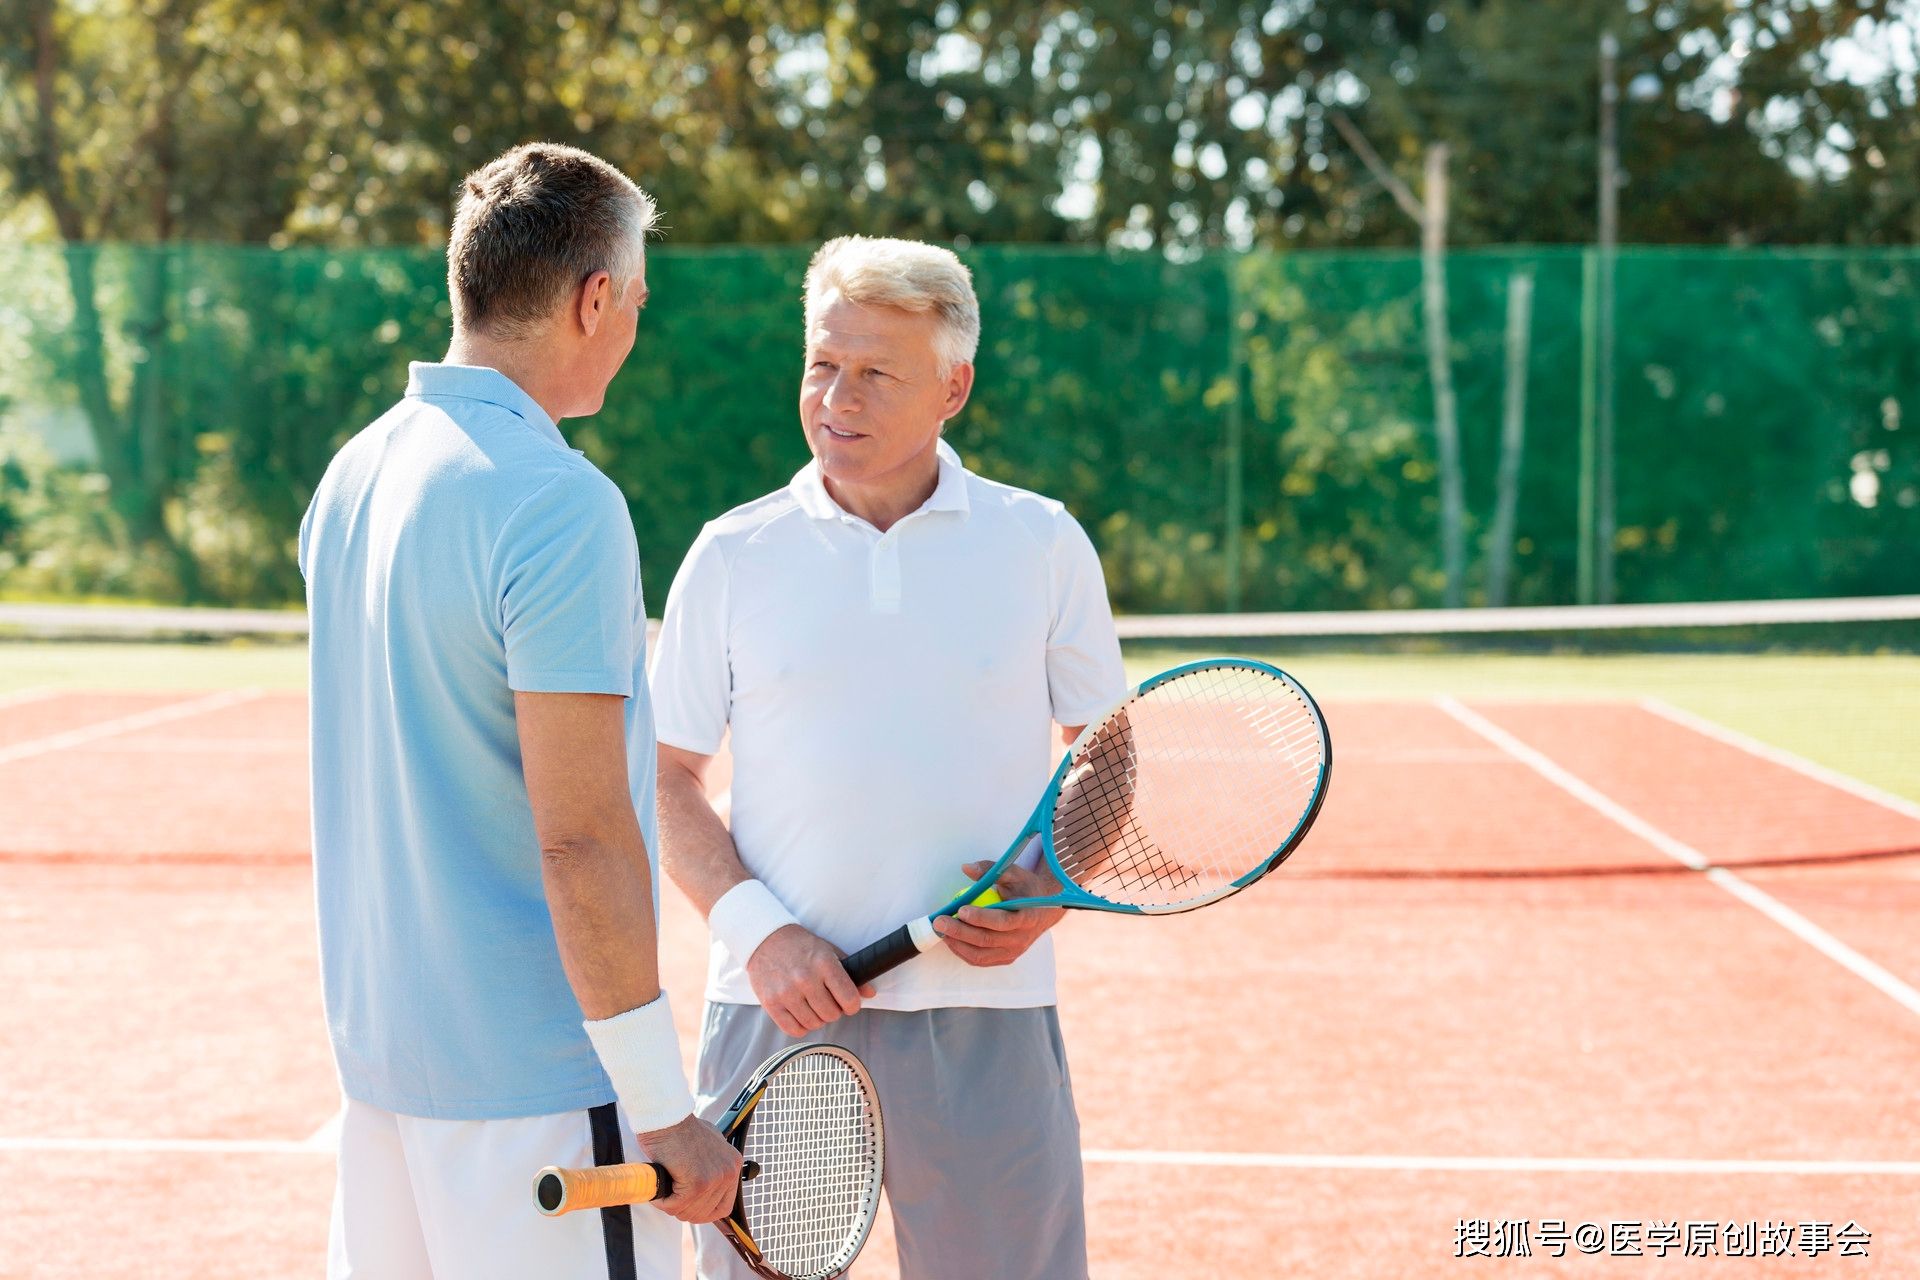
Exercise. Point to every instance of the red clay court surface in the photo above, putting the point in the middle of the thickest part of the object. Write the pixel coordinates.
(1338, 1074)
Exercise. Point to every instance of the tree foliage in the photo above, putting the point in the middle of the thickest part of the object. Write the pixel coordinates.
(1164, 124)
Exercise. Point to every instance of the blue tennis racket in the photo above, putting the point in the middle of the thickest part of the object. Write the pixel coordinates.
(1196, 784)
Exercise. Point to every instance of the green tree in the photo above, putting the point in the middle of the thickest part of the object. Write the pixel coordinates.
(136, 123)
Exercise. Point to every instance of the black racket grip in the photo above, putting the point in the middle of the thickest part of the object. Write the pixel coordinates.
(884, 956)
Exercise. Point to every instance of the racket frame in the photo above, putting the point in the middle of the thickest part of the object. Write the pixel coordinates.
(1040, 823)
(739, 1117)
(892, 950)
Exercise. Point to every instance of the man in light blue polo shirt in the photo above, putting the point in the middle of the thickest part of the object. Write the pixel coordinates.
(483, 773)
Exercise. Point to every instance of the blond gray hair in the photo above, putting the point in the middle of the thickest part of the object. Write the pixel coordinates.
(908, 276)
(531, 226)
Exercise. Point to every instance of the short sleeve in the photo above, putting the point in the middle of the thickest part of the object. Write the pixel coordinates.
(566, 568)
(1084, 672)
(692, 679)
(306, 528)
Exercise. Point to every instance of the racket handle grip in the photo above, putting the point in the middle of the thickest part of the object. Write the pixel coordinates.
(892, 951)
(557, 1191)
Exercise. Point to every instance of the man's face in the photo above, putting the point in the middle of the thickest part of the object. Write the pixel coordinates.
(608, 346)
(871, 398)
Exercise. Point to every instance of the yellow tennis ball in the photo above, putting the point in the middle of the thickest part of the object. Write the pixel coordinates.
(986, 899)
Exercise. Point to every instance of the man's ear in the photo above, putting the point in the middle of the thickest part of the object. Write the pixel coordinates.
(594, 300)
(959, 387)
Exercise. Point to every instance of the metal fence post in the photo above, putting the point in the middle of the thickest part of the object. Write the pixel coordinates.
(1236, 429)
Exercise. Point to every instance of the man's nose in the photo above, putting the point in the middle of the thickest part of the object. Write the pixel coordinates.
(840, 396)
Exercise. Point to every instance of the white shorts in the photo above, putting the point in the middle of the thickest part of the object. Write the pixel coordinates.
(424, 1199)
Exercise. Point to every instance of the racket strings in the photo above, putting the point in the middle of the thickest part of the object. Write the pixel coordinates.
(1107, 844)
(815, 1136)
(1189, 787)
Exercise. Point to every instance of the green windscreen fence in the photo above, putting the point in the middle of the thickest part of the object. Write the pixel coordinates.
(1239, 431)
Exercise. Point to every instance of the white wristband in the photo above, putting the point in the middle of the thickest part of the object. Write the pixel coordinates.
(744, 917)
(641, 1053)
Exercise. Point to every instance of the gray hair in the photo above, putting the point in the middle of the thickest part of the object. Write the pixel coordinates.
(906, 275)
(533, 224)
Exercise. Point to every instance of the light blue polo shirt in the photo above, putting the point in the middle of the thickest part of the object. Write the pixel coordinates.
(456, 551)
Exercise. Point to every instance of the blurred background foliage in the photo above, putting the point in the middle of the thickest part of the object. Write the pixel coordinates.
(221, 223)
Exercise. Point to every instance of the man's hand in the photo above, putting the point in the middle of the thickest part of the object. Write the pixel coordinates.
(989, 936)
(800, 982)
(705, 1168)
(1093, 815)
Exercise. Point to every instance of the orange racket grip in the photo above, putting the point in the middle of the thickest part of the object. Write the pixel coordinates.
(557, 1191)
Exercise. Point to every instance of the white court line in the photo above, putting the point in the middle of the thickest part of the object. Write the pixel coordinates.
(182, 1146)
(21, 696)
(327, 1136)
(1786, 759)
(125, 724)
(1505, 1164)
(204, 746)
(1781, 914)
(1198, 1159)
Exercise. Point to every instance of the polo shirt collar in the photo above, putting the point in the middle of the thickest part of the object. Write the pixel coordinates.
(476, 382)
(949, 491)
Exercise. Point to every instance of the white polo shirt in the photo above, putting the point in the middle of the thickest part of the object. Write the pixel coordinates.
(891, 698)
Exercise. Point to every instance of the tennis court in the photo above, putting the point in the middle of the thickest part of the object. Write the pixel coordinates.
(1589, 934)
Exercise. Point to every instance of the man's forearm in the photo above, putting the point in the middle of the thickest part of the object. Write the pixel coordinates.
(600, 892)
(701, 857)
(593, 861)
(696, 850)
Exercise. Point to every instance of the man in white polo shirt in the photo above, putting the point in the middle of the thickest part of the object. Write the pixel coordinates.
(889, 640)
(483, 774)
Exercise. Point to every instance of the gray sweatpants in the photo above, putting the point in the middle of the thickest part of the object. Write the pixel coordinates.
(983, 1145)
